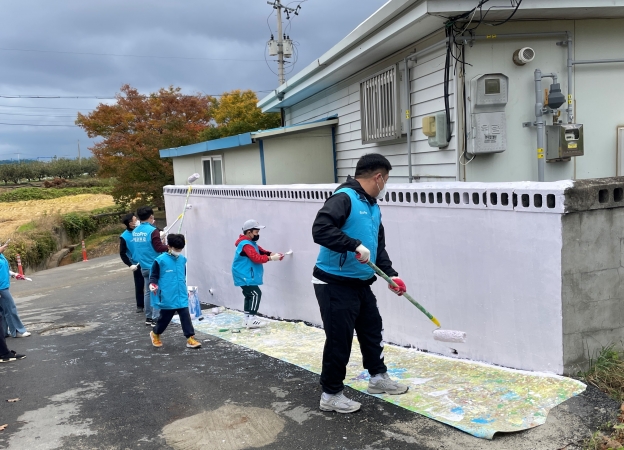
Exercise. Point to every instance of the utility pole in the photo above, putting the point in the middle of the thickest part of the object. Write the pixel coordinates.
(277, 5)
(79, 159)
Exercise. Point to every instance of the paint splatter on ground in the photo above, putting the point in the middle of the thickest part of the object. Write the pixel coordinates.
(476, 398)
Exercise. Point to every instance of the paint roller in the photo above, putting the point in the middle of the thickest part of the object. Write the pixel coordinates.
(192, 179)
(438, 334)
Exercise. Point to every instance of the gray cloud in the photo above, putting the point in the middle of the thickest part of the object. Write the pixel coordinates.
(230, 29)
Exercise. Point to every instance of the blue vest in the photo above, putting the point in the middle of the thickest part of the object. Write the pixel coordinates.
(172, 292)
(5, 278)
(143, 251)
(244, 270)
(127, 236)
(363, 224)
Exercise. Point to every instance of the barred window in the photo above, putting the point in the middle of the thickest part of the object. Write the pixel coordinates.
(379, 106)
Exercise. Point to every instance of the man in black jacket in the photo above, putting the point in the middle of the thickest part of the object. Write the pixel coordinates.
(125, 253)
(349, 230)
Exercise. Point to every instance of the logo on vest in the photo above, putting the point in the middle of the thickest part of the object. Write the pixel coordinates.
(363, 212)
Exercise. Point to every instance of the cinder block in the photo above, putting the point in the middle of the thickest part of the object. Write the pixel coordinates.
(594, 316)
(579, 347)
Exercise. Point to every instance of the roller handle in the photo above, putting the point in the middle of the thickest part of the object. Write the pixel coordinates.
(379, 272)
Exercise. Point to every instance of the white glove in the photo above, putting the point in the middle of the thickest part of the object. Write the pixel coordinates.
(362, 254)
(153, 287)
(12, 274)
(134, 267)
(162, 235)
(276, 257)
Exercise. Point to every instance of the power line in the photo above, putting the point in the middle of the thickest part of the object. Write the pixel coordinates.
(127, 56)
(102, 97)
(31, 115)
(44, 107)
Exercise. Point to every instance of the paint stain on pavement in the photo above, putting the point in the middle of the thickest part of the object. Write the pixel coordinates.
(231, 427)
(45, 428)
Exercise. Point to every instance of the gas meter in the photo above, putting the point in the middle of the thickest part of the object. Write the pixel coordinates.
(488, 126)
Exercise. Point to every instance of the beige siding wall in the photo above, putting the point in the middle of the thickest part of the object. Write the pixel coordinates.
(242, 165)
(305, 157)
(426, 97)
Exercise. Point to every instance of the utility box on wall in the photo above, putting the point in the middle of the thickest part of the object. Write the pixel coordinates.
(564, 141)
(488, 125)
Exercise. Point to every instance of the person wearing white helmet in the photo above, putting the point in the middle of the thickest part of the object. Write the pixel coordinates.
(247, 270)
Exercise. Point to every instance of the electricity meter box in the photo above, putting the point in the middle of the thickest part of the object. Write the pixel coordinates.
(564, 141)
(488, 125)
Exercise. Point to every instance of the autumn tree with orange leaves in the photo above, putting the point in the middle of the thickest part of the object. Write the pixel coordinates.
(134, 130)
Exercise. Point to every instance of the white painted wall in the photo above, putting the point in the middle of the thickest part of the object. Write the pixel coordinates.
(493, 271)
(426, 98)
(305, 157)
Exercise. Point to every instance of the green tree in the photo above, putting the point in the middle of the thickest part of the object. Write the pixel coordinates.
(133, 131)
(237, 112)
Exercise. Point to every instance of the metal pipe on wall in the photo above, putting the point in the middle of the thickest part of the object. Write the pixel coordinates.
(408, 118)
(570, 109)
(539, 123)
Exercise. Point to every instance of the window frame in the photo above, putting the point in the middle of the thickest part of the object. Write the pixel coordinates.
(212, 170)
(380, 116)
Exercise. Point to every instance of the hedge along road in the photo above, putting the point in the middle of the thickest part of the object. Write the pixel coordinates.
(99, 384)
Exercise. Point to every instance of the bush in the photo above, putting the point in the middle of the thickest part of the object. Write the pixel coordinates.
(76, 224)
(606, 372)
(23, 194)
(34, 248)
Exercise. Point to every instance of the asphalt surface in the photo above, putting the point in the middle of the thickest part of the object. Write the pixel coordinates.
(99, 384)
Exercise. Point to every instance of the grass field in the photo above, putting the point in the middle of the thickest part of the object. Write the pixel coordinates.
(15, 214)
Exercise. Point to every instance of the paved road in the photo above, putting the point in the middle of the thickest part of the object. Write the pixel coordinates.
(105, 387)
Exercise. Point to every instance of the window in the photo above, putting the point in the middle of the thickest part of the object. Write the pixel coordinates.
(212, 167)
(379, 106)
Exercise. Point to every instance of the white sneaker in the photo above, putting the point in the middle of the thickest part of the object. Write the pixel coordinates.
(383, 384)
(24, 334)
(339, 403)
(253, 322)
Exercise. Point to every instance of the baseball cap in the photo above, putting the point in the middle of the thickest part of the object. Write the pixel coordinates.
(251, 224)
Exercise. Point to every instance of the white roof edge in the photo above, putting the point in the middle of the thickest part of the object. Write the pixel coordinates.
(292, 129)
(380, 17)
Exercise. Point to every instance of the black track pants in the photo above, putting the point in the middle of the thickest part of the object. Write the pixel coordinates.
(165, 318)
(252, 294)
(343, 309)
(139, 284)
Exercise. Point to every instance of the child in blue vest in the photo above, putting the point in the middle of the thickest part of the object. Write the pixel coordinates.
(126, 247)
(169, 292)
(247, 270)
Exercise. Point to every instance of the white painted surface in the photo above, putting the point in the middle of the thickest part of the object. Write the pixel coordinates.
(493, 272)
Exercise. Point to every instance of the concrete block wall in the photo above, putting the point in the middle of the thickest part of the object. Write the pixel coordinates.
(592, 271)
(517, 266)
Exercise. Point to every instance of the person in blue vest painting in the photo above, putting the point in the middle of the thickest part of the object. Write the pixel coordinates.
(247, 270)
(125, 253)
(169, 292)
(10, 323)
(147, 246)
(349, 230)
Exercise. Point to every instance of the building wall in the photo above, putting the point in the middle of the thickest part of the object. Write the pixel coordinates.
(300, 158)
(429, 164)
(240, 165)
(476, 261)
(596, 101)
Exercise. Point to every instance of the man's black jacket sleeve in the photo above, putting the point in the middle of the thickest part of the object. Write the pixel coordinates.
(123, 249)
(326, 230)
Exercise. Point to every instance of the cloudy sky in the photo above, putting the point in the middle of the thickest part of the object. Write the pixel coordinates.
(68, 48)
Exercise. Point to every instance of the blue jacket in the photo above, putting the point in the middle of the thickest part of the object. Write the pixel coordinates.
(362, 224)
(128, 238)
(172, 292)
(143, 251)
(244, 271)
(5, 278)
